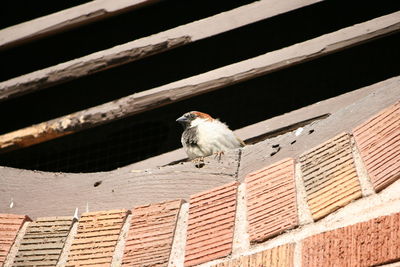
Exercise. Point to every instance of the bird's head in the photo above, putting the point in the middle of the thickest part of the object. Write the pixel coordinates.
(192, 118)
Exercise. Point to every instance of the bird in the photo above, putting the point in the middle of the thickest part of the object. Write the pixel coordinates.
(204, 136)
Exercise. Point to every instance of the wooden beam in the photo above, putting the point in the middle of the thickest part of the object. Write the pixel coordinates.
(76, 68)
(65, 20)
(140, 48)
(271, 125)
(40, 193)
(203, 83)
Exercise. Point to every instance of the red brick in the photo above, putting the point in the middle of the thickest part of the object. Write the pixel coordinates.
(378, 141)
(211, 224)
(363, 244)
(96, 238)
(329, 175)
(281, 256)
(151, 233)
(271, 200)
(9, 227)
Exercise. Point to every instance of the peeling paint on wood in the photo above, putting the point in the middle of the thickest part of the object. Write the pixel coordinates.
(65, 19)
(196, 30)
(203, 83)
(135, 185)
(85, 66)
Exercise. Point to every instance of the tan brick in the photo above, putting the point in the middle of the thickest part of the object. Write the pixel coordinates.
(43, 241)
(281, 256)
(211, 224)
(97, 236)
(9, 227)
(378, 141)
(271, 200)
(329, 176)
(368, 243)
(151, 233)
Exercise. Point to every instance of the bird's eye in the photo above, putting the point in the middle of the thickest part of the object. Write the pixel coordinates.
(191, 116)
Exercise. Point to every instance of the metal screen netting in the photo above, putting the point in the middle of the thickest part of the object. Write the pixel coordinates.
(100, 149)
(128, 140)
(154, 132)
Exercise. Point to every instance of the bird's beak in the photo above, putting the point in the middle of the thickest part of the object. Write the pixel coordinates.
(182, 120)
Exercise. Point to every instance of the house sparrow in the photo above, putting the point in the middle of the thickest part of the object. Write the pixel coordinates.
(204, 135)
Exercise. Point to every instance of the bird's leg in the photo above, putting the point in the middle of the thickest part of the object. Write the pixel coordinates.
(218, 155)
(198, 162)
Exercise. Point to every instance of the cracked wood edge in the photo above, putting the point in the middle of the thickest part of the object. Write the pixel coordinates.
(203, 83)
(79, 68)
(102, 60)
(66, 19)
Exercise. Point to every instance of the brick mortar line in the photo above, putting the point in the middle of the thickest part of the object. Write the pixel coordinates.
(297, 255)
(177, 254)
(366, 185)
(12, 253)
(120, 247)
(303, 210)
(241, 242)
(62, 260)
(362, 210)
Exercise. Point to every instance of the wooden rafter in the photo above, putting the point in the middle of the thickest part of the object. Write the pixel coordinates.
(140, 48)
(66, 19)
(203, 83)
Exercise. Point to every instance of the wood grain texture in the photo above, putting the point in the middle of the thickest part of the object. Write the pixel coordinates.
(43, 241)
(122, 188)
(329, 176)
(211, 224)
(370, 243)
(203, 83)
(65, 20)
(281, 256)
(97, 236)
(95, 62)
(132, 186)
(378, 140)
(271, 200)
(10, 224)
(129, 186)
(151, 233)
(76, 68)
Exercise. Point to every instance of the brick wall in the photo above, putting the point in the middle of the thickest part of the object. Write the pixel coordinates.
(341, 228)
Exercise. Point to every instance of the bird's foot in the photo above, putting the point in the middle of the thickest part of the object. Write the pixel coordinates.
(218, 155)
(198, 162)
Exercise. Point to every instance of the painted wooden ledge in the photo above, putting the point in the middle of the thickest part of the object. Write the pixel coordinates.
(203, 83)
(140, 48)
(132, 185)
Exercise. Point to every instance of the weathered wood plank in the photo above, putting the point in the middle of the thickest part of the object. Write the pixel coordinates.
(122, 188)
(140, 48)
(270, 125)
(44, 193)
(203, 83)
(66, 19)
(272, 150)
(84, 66)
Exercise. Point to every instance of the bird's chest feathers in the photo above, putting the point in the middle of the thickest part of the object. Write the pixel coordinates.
(190, 136)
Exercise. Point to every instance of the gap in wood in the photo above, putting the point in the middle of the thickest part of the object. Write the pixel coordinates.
(155, 132)
(109, 32)
(283, 130)
(173, 65)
